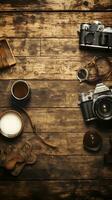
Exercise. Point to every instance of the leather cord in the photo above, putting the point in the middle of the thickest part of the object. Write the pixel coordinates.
(17, 106)
(98, 78)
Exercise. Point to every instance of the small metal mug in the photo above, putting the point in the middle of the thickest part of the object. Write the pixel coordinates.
(19, 87)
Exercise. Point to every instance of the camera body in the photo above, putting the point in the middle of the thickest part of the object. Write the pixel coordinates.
(95, 35)
(97, 104)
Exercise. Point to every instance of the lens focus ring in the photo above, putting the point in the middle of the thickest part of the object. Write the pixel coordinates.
(103, 108)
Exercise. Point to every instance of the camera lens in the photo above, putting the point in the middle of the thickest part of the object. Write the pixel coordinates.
(82, 74)
(103, 108)
(89, 38)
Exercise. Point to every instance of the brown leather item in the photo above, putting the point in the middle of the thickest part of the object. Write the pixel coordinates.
(98, 77)
(92, 141)
(19, 157)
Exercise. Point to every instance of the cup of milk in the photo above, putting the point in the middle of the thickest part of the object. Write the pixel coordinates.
(11, 124)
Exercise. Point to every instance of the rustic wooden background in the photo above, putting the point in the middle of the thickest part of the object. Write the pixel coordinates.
(43, 36)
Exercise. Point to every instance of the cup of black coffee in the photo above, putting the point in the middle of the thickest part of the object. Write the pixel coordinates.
(20, 91)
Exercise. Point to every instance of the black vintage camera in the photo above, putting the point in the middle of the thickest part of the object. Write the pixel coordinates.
(97, 104)
(95, 35)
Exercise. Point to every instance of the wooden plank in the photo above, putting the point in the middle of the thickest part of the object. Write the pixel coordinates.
(64, 168)
(60, 24)
(67, 144)
(67, 167)
(45, 94)
(44, 68)
(56, 189)
(50, 68)
(53, 5)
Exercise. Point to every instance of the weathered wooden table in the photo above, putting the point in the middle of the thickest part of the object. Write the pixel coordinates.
(43, 36)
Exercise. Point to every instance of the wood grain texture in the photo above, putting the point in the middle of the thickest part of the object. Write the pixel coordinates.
(50, 68)
(45, 45)
(64, 168)
(25, 47)
(61, 24)
(39, 57)
(54, 5)
(100, 189)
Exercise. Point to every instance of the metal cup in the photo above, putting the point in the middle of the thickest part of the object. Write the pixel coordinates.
(20, 91)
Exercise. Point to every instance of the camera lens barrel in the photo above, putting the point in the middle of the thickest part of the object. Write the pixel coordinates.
(102, 107)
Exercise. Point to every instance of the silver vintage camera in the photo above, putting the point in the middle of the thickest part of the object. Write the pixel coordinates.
(95, 35)
(97, 104)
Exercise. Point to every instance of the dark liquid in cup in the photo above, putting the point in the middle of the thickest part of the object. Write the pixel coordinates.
(20, 90)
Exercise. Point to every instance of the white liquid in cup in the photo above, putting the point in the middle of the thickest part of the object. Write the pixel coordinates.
(10, 124)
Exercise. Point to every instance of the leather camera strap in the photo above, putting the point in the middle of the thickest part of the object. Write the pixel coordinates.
(98, 77)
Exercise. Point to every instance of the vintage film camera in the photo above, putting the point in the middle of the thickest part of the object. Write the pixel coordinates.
(97, 104)
(95, 35)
